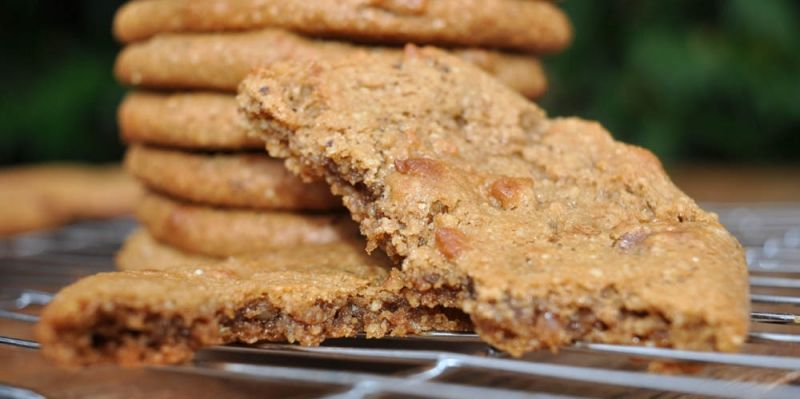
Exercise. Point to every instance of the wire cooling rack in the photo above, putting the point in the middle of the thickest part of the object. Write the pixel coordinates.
(441, 365)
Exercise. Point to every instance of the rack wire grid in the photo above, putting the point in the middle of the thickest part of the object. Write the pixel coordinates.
(441, 365)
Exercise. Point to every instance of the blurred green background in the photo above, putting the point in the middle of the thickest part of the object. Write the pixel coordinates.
(695, 81)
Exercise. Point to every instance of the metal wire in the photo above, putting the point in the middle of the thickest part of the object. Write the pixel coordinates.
(33, 266)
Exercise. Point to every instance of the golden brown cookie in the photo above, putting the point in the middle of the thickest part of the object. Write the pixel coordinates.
(227, 232)
(42, 196)
(221, 60)
(244, 180)
(302, 294)
(547, 230)
(537, 26)
(141, 251)
(206, 121)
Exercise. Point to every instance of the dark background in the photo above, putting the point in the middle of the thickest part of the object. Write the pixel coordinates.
(695, 81)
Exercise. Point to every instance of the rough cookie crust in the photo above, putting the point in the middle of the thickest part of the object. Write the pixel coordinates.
(536, 26)
(298, 294)
(549, 229)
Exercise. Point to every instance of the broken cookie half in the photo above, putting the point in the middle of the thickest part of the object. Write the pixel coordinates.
(297, 294)
(545, 231)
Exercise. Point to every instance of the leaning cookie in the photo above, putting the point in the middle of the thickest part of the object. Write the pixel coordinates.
(204, 121)
(546, 230)
(227, 232)
(221, 60)
(534, 26)
(244, 180)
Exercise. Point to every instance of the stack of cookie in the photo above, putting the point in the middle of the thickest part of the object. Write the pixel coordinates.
(208, 193)
(213, 190)
(537, 232)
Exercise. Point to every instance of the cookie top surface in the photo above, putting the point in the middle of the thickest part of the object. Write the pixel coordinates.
(191, 120)
(219, 61)
(463, 179)
(537, 26)
(243, 180)
(220, 232)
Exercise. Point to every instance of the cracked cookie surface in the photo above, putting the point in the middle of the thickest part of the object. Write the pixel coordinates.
(303, 294)
(549, 230)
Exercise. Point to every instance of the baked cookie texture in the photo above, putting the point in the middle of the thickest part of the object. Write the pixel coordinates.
(44, 196)
(299, 294)
(546, 231)
(189, 120)
(221, 60)
(141, 251)
(220, 232)
(243, 180)
(535, 26)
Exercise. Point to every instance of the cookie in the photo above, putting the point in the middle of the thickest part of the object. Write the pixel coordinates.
(31, 211)
(141, 251)
(197, 120)
(302, 294)
(44, 196)
(227, 232)
(221, 60)
(547, 230)
(244, 180)
(534, 26)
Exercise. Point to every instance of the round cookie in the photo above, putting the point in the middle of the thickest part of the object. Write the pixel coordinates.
(221, 60)
(244, 180)
(207, 121)
(43, 196)
(534, 26)
(25, 210)
(227, 232)
(141, 251)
